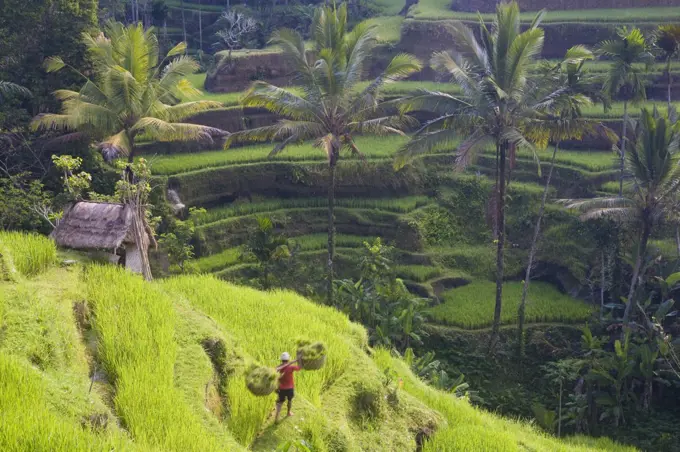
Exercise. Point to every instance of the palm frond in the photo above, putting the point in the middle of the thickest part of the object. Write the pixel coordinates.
(426, 143)
(585, 205)
(12, 89)
(184, 110)
(459, 69)
(115, 146)
(281, 101)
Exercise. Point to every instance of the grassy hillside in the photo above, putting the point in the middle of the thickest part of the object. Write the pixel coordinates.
(167, 361)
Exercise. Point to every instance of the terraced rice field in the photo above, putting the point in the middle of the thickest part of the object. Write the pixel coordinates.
(472, 306)
(440, 10)
(397, 205)
(372, 147)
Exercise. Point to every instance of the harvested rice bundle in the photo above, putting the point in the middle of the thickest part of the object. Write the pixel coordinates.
(312, 356)
(261, 380)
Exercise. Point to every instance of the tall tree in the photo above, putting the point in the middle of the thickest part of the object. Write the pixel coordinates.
(30, 31)
(131, 93)
(667, 40)
(331, 108)
(498, 106)
(629, 56)
(655, 177)
(570, 88)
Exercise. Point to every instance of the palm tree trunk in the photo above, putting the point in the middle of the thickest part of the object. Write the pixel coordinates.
(647, 395)
(265, 277)
(131, 140)
(331, 231)
(642, 249)
(532, 254)
(670, 81)
(623, 145)
(500, 250)
(184, 25)
(200, 29)
(602, 285)
(559, 415)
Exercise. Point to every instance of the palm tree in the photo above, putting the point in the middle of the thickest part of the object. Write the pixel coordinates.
(655, 174)
(266, 247)
(497, 107)
(625, 76)
(667, 39)
(573, 90)
(331, 109)
(131, 94)
(12, 89)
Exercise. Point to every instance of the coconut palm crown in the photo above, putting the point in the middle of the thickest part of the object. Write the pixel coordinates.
(499, 106)
(666, 39)
(625, 76)
(329, 105)
(131, 93)
(653, 173)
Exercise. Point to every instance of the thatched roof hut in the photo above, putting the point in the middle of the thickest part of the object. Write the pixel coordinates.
(99, 226)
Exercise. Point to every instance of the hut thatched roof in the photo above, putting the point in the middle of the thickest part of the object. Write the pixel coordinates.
(94, 225)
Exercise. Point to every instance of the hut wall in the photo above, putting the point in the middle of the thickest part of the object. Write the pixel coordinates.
(133, 258)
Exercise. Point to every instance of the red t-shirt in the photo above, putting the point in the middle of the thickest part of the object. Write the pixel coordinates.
(286, 379)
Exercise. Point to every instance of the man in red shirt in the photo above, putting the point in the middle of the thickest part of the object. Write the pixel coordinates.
(286, 383)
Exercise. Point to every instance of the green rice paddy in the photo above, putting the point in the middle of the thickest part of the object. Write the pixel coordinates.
(472, 306)
(440, 10)
(397, 205)
(371, 146)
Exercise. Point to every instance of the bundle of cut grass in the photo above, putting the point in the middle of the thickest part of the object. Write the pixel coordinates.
(312, 356)
(261, 380)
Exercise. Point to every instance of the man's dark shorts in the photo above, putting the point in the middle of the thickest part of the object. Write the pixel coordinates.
(285, 394)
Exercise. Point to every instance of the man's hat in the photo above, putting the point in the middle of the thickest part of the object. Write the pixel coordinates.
(285, 356)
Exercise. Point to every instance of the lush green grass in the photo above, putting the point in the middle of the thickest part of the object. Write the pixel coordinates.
(398, 205)
(320, 241)
(228, 99)
(477, 260)
(194, 7)
(214, 262)
(418, 273)
(440, 10)
(616, 110)
(267, 325)
(370, 146)
(590, 160)
(168, 395)
(310, 242)
(27, 254)
(472, 306)
(388, 28)
(468, 429)
(666, 247)
(30, 423)
(600, 66)
(389, 7)
(135, 327)
(44, 381)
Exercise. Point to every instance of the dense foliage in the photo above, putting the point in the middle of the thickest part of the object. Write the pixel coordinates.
(555, 250)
